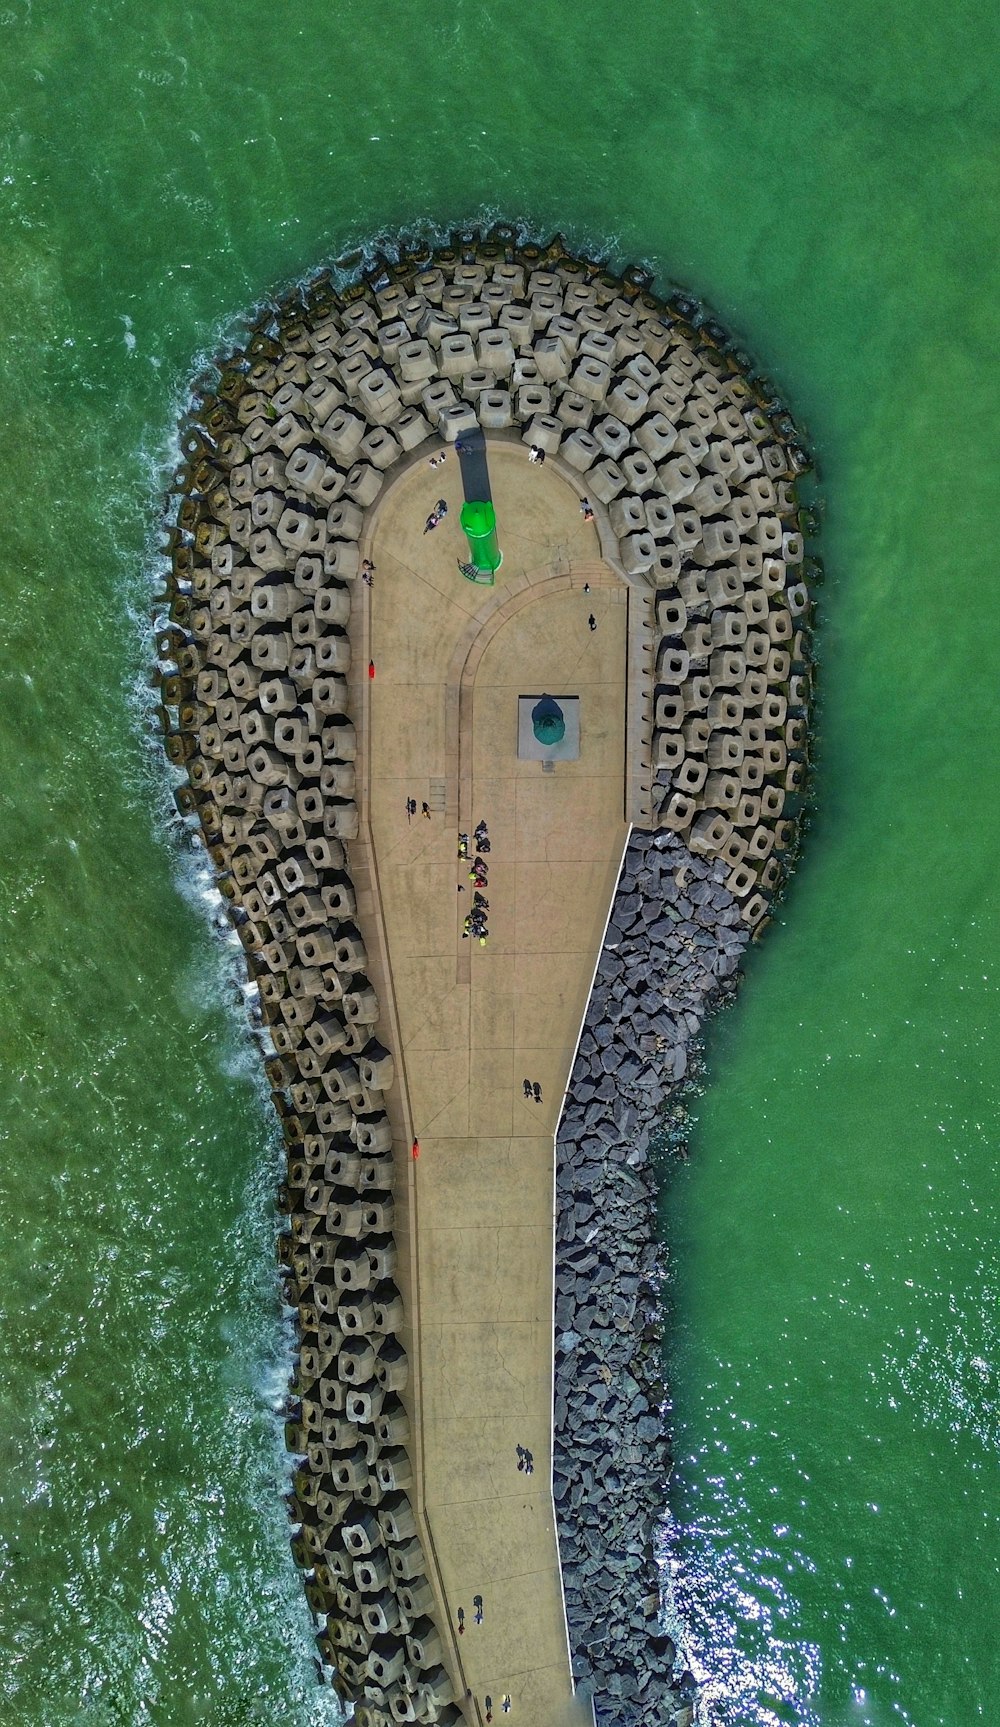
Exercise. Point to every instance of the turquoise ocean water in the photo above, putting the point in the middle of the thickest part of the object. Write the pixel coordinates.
(828, 177)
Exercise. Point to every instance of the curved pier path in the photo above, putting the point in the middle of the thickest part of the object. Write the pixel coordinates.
(470, 1023)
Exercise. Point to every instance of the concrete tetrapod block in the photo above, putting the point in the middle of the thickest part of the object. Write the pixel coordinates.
(495, 351)
(458, 355)
(728, 628)
(673, 664)
(751, 772)
(408, 1567)
(755, 606)
(379, 395)
(387, 1660)
(641, 473)
(396, 1520)
(690, 777)
(679, 478)
(667, 564)
(668, 749)
(526, 371)
(590, 377)
(574, 410)
(754, 910)
(670, 710)
(722, 459)
(725, 750)
(727, 667)
(380, 1611)
(453, 421)
(395, 1471)
(363, 484)
(657, 437)
(697, 730)
(393, 1424)
(627, 515)
(581, 450)
(550, 358)
(495, 410)
(628, 400)
(756, 648)
(322, 398)
(392, 1368)
(341, 434)
(725, 708)
(545, 431)
(770, 875)
(434, 1690)
(380, 448)
(720, 540)
(671, 612)
(613, 437)
(533, 399)
(691, 585)
(376, 1068)
(709, 832)
(416, 361)
(679, 812)
(517, 322)
(723, 790)
(606, 480)
(411, 428)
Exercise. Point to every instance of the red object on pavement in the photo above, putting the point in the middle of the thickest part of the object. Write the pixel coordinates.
(416, 1148)
(371, 668)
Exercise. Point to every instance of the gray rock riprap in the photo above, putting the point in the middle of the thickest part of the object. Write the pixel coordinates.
(671, 954)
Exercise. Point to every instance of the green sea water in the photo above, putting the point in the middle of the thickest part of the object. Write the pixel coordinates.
(828, 177)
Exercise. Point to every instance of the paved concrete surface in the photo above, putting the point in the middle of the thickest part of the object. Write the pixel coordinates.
(470, 1023)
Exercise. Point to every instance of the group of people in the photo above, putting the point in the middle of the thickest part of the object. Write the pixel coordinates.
(531, 1090)
(525, 1460)
(476, 924)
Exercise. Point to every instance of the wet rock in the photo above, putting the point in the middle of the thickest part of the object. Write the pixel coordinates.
(668, 946)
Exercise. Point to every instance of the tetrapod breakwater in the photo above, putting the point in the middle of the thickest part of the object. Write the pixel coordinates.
(688, 469)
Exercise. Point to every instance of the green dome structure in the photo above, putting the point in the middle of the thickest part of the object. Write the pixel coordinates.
(548, 721)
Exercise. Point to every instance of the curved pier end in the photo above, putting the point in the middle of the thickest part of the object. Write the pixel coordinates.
(475, 1417)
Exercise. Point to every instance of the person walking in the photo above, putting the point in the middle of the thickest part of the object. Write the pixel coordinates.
(592, 621)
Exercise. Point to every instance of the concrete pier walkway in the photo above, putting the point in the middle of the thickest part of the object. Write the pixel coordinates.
(469, 1024)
